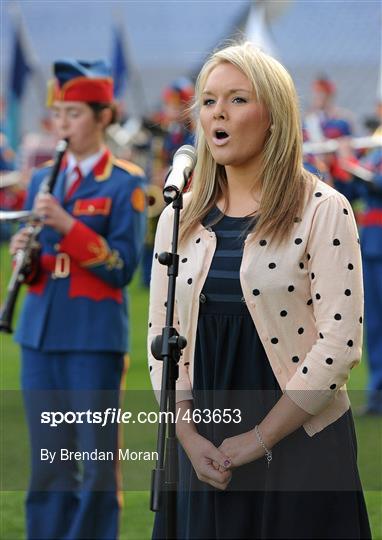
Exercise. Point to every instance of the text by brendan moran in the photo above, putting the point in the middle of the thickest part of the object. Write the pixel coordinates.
(122, 454)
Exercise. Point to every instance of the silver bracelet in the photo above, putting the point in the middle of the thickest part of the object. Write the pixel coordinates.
(268, 453)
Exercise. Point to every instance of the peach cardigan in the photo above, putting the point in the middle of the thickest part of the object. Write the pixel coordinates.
(316, 277)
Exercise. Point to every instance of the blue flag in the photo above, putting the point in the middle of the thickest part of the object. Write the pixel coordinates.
(20, 69)
(119, 63)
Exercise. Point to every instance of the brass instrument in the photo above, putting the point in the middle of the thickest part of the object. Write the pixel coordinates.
(155, 201)
(332, 145)
(22, 216)
(155, 206)
(359, 172)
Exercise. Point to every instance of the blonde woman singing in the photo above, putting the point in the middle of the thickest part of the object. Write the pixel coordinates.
(270, 299)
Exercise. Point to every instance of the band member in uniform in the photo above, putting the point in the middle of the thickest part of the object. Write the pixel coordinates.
(74, 322)
(370, 220)
(176, 130)
(269, 298)
(325, 120)
(334, 123)
(178, 123)
(11, 194)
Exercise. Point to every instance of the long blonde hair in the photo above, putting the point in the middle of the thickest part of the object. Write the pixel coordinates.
(284, 181)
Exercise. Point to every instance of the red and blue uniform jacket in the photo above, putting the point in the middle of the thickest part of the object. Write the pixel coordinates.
(77, 299)
(332, 127)
(176, 136)
(371, 195)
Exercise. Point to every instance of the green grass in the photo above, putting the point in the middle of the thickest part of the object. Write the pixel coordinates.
(136, 518)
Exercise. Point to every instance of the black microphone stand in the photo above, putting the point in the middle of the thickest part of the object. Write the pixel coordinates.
(168, 347)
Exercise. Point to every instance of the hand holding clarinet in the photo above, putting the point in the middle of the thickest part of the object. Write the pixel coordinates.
(24, 244)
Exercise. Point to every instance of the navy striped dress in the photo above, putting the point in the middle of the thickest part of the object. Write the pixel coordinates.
(307, 492)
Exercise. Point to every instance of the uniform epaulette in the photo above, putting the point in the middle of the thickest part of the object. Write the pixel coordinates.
(128, 166)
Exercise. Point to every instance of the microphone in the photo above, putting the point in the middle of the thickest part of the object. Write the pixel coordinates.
(183, 164)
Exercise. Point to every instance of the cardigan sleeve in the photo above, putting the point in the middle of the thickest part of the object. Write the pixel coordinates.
(335, 270)
(157, 310)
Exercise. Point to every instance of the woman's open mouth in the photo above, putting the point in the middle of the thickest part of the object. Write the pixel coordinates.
(220, 137)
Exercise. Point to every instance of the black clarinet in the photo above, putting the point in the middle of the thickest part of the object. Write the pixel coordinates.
(23, 257)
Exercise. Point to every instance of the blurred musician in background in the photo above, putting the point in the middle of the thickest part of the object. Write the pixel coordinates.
(172, 128)
(36, 148)
(325, 121)
(12, 195)
(360, 180)
(355, 169)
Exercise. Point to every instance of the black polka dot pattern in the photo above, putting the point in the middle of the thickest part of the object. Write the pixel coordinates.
(151, 368)
(297, 219)
(150, 324)
(311, 292)
(165, 304)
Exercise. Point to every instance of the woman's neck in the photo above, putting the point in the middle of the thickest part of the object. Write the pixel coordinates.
(244, 193)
